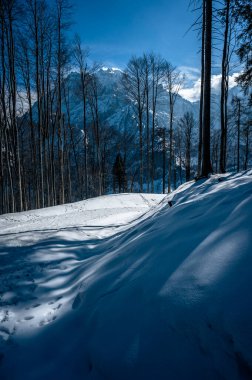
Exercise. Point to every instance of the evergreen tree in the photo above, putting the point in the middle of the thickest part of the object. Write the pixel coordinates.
(243, 14)
(119, 174)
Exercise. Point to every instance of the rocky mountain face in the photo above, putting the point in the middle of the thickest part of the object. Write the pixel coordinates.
(119, 132)
(115, 109)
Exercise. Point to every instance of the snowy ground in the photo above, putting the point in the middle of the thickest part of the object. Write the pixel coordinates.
(125, 287)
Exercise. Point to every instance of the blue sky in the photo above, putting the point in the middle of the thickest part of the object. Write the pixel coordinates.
(114, 30)
(117, 29)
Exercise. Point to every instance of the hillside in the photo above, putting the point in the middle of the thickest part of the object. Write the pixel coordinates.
(126, 287)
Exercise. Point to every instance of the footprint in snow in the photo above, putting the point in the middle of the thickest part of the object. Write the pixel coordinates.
(33, 306)
(4, 333)
(5, 317)
(58, 306)
(49, 318)
(36, 305)
(52, 302)
(28, 317)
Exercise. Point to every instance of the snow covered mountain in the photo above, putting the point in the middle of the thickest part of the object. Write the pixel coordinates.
(114, 109)
(117, 112)
(125, 287)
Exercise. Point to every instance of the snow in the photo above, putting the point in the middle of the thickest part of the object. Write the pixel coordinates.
(111, 70)
(126, 287)
(112, 101)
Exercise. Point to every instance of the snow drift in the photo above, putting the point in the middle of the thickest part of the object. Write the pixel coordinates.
(126, 287)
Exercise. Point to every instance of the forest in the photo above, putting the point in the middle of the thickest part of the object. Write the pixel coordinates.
(125, 190)
(50, 156)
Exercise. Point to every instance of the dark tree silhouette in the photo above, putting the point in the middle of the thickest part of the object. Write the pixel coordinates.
(119, 174)
(201, 85)
(206, 167)
(243, 14)
(224, 86)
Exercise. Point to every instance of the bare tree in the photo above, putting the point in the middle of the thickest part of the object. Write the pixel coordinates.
(226, 56)
(203, 31)
(146, 62)
(157, 73)
(62, 10)
(206, 166)
(135, 86)
(94, 90)
(187, 125)
(81, 56)
(10, 12)
(236, 102)
(173, 82)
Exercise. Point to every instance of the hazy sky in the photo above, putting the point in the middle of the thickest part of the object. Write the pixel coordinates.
(116, 29)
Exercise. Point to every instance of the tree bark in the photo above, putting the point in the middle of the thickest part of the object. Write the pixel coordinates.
(202, 85)
(224, 89)
(206, 167)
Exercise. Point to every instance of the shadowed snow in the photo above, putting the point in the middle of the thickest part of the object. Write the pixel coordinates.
(125, 287)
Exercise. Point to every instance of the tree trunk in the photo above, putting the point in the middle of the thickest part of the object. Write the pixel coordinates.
(164, 159)
(238, 133)
(202, 85)
(224, 89)
(206, 167)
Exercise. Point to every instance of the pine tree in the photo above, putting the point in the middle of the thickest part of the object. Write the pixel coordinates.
(243, 15)
(119, 174)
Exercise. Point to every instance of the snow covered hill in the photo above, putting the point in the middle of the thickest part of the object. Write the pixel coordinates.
(125, 287)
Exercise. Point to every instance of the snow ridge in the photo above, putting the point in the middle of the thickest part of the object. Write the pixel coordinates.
(126, 287)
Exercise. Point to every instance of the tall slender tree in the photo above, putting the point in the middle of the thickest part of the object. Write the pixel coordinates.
(81, 56)
(206, 167)
(187, 125)
(157, 73)
(203, 31)
(173, 82)
(135, 85)
(224, 84)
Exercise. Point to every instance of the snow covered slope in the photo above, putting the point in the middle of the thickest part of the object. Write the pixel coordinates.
(149, 293)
